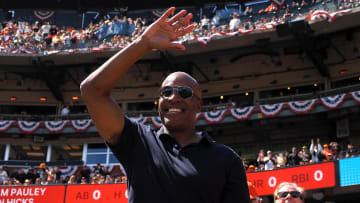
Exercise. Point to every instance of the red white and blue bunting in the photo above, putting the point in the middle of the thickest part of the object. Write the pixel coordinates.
(81, 125)
(5, 125)
(73, 170)
(302, 107)
(356, 96)
(28, 127)
(43, 15)
(333, 102)
(271, 110)
(69, 170)
(242, 113)
(212, 117)
(321, 14)
(55, 126)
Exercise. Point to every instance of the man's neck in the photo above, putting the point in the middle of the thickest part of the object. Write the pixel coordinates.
(184, 137)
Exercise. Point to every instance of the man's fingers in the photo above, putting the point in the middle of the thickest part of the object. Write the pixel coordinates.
(183, 21)
(177, 16)
(167, 13)
(185, 30)
(177, 46)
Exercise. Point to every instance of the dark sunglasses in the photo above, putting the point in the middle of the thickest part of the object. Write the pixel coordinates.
(183, 91)
(294, 194)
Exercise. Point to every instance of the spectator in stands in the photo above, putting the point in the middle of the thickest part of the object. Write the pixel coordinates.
(327, 153)
(269, 161)
(261, 167)
(306, 155)
(316, 151)
(281, 160)
(27, 182)
(261, 157)
(293, 158)
(245, 162)
(58, 178)
(205, 23)
(251, 168)
(72, 180)
(349, 152)
(336, 150)
(3, 175)
(85, 172)
(37, 181)
(99, 169)
(288, 192)
(169, 155)
(234, 23)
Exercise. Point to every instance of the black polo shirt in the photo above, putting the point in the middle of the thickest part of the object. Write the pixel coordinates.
(160, 171)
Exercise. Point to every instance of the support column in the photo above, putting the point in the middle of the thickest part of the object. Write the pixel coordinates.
(84, 153)
(48, 154)
(7, 152)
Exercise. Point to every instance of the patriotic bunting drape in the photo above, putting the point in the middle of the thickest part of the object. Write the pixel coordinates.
(333, 102)
(242, 113)
(271, 110)
(356, 96)
(302, 107)
(28, 127)
(55, 126)
(73, 170)
(5, 125)
(212, 117)
(81, 125)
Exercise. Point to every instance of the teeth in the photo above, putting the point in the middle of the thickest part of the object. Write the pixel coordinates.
(174, 110)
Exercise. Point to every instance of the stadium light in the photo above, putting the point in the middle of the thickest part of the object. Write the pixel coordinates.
(41, 154)
(342, 71)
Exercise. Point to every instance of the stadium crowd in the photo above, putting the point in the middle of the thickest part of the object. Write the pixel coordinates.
(19, 36)
(314, 154)
(44, 175)
(99, 174)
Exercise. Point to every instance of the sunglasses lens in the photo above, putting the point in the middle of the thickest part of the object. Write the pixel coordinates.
(293, 194)
(283, 194)
(166, 91)
(185, 92)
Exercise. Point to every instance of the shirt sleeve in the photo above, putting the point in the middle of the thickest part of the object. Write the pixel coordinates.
(128, 139)
(236, 188)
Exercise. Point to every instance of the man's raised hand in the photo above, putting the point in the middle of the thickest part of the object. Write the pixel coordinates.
(162, 33)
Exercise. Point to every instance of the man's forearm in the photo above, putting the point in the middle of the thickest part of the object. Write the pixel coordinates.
(103, 80)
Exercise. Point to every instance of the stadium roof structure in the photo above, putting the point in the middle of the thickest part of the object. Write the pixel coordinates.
(108, 4)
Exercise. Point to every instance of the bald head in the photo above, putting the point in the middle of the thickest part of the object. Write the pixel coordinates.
(182, 79)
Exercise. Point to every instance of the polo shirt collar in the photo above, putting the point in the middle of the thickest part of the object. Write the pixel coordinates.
(206, 139)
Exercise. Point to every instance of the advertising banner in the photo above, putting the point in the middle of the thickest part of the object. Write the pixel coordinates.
(309, 177)
(32, 194)
(109, 193)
